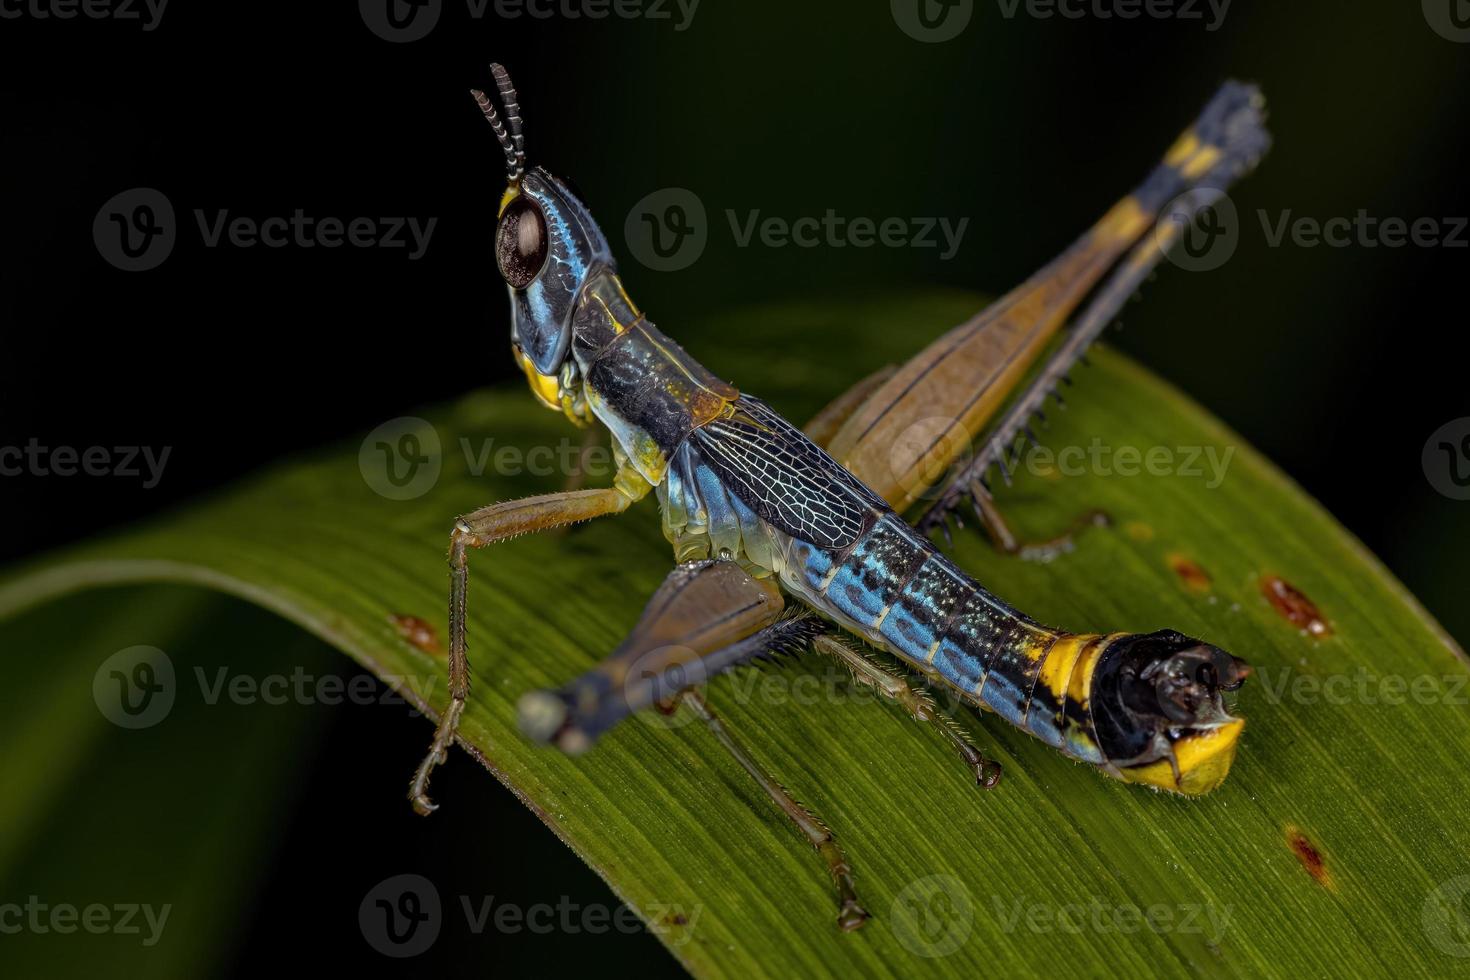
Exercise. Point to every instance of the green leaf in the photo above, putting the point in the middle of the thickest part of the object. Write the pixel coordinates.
(173, 820)
(1338, 844)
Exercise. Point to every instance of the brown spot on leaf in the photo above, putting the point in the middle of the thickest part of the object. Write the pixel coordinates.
(1294, 606)
(416, 631)
(1139, 531)
(1310, 856)
(675, 919)
(1195, 578)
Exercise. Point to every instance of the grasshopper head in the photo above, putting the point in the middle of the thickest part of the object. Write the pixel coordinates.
(546, 246)
(1159, 713)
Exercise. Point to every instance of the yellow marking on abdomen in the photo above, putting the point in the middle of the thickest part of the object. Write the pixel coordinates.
(1079, 688)
(1056, 669)
(1184, 147)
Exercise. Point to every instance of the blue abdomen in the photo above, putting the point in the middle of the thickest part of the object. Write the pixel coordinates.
(894, 588)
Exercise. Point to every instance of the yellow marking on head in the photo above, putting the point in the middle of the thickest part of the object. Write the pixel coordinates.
(545, 387)
(511, 193)
(1204, 759)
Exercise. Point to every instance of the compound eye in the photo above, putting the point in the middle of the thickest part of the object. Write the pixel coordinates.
(521, 243)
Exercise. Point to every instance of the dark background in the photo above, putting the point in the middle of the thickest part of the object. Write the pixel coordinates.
(1338, 363)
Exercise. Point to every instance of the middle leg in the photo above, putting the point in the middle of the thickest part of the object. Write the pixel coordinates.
(850, 914)
(918, 704)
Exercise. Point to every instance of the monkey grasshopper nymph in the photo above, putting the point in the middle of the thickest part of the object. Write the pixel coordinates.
(785, 546)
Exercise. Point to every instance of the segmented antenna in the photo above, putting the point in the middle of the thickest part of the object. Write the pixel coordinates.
(512, 115)
(512, 143)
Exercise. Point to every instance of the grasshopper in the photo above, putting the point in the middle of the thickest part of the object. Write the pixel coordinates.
(788, 541)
